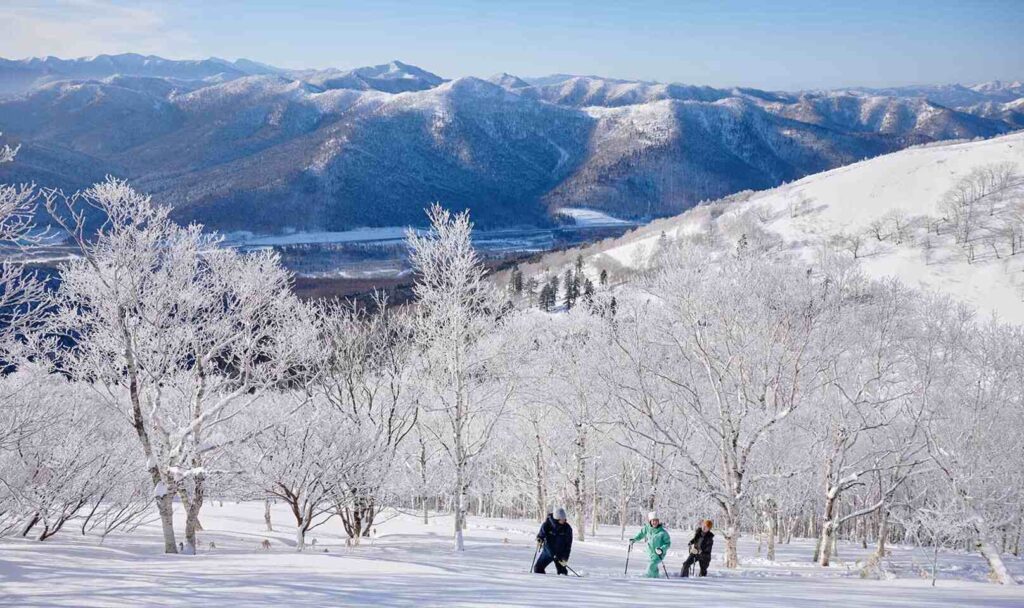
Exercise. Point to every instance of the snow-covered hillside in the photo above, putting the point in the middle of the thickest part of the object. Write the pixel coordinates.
(846, 207)
(772, 402)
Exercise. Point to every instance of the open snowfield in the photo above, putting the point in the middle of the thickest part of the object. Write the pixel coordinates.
(411, 564)
(845, 201)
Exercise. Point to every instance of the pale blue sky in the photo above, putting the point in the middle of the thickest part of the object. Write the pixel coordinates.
(783, 44)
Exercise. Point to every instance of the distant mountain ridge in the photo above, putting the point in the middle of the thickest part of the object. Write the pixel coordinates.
(244, 145)
(19, 76)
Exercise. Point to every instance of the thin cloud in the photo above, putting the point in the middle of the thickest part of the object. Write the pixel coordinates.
(77, 28)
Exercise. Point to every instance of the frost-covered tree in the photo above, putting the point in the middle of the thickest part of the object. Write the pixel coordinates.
(71, 455)
(174, 333)
(22, 293)
(576, 401)
(975, 397)
(364, 374)
(533, 430)
(304, 457)
(870, 420)
(930, 520)
(977, 196)
(457, 321)
(714, 359)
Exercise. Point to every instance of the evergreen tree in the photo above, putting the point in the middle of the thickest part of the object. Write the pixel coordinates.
(544, 301)
(531, 286)
(572, 290)
(549, 294)
(588, 291)
(742, 244)
(517, 280)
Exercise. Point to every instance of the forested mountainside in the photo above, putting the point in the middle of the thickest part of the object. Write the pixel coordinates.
(243, 145)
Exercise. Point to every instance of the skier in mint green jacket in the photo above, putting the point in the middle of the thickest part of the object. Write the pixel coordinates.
(658, 542)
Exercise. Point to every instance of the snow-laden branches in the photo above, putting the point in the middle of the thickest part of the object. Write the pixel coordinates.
(365, 368)
(176, 334)
(457, 330)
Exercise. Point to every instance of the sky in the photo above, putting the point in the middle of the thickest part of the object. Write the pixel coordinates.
(771, 44)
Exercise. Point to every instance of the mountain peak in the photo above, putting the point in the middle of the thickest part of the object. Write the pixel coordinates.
(398, 64)
(393, 77)
(472, 83)
(508, 81)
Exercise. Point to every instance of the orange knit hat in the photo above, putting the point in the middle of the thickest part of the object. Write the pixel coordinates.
(709, 523)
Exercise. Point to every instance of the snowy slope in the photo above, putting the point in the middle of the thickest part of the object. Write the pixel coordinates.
(408, 563)
(811, 212)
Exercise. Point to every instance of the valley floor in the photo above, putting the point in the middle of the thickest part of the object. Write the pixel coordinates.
(408, 563)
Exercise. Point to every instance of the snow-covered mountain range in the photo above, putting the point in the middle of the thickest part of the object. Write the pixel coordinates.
(244, 145)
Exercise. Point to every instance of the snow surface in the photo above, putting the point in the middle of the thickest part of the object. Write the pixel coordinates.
(846, 200)
(592, 218)
(408, 563)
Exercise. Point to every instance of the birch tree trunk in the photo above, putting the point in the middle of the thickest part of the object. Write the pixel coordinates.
(883, 533)
(192, 517)
(539, 469)
(595, 504)
(733, 477)
(732, 535)
(623, 504)
(827, 529)
(460, 512)
(165, 507)
(424, 486)
(987, 548)
(579, 482)
(460, 472)
(300, 536)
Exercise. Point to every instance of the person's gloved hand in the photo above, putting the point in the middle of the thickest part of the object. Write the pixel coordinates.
(631, 541)
(660, 552)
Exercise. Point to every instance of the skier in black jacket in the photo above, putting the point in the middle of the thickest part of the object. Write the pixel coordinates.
(692, 548)
(555, 538)
(702, 543)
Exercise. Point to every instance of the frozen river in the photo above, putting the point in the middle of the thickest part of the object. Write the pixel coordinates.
(369, 253)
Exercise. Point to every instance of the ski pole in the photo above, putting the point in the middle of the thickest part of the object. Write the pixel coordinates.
(534, 561)
(664, 568)
(569, 568)
(628, 551)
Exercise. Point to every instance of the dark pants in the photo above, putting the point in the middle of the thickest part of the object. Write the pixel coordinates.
(543, 560)
(703, 559)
